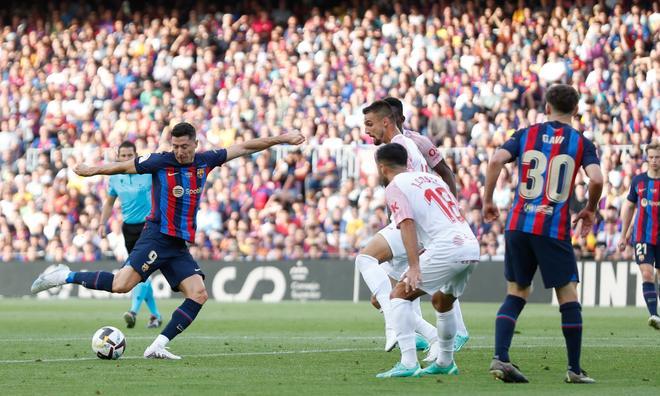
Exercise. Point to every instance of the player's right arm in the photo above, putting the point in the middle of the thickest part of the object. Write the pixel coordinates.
(509, 151)
(495, 165)
(256, 145)
(412, 277)
(115, 168)
(403, 218)
(627, 211)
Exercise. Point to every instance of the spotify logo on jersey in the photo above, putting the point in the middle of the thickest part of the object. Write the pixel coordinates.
(177, 191)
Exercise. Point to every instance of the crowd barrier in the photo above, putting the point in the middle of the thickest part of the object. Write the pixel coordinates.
(603, 284)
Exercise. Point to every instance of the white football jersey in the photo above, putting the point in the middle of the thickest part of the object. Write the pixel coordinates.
(441, 228)
(425, 147)
(416, 161)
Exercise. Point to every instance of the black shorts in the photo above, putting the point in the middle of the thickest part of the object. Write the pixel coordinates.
(131, 234)
(525, 252)
(157, 251)
(645, 253)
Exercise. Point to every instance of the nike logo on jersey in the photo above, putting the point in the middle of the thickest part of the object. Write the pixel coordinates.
(172, 174)
(197, 269)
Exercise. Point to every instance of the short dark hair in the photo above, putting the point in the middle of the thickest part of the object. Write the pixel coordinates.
(392, 154)
(395, 103)
(380, 107)
(562, 98)
(184, 129)
(127, 144)
(397, 106)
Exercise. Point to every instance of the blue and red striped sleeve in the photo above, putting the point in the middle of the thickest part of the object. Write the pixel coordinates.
(589, 155)
(632, 194)
(149, 163)
(513, 145)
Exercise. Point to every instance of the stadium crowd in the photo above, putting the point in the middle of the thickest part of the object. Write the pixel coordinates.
(78, 79)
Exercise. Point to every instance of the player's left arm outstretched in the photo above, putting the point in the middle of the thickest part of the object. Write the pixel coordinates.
(115, 168)
(256, 145)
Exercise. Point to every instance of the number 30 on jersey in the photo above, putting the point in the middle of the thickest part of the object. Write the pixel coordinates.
(531, 187)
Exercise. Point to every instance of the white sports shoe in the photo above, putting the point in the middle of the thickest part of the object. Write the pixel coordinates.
(433, 352)
(54, 278)
(159, 352)
(654, 321)
(390, 339)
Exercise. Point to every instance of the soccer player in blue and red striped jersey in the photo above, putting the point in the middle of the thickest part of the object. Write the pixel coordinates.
(178, 179)
(645, 197)
(537, 232)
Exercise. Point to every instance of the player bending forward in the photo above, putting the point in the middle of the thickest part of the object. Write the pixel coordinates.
(178, 179)
(383, 120)
(426, 212)
(134, 192)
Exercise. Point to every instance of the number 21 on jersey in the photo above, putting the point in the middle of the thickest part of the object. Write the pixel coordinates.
(446, 202)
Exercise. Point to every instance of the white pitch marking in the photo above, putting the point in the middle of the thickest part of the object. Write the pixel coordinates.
(280, 337)
(304, 351)
(263, 353)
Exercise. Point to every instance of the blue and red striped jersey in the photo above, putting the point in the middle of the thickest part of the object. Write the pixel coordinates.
(645, 194)
(177, 189)
(548, 156)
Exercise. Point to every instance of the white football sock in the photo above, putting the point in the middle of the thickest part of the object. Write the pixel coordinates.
(377, 281)
(161, 340)
(460, 325)
(403, 321)
(446, 333)
(417, 306)
(423, 327)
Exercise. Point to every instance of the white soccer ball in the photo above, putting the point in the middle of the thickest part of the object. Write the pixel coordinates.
(108, 343)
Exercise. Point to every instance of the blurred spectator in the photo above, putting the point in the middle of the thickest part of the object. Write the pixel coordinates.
(80, 78)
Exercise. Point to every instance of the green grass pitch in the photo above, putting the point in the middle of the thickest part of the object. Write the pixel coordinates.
(327, 348)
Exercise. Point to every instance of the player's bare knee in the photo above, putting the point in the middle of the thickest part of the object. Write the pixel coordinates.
(567, 293)
(647, 272)
(120, 285)
(199, 296)
(374, 302)
(517, 290)
(399, 291)
(442, 302)
(377, 248)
